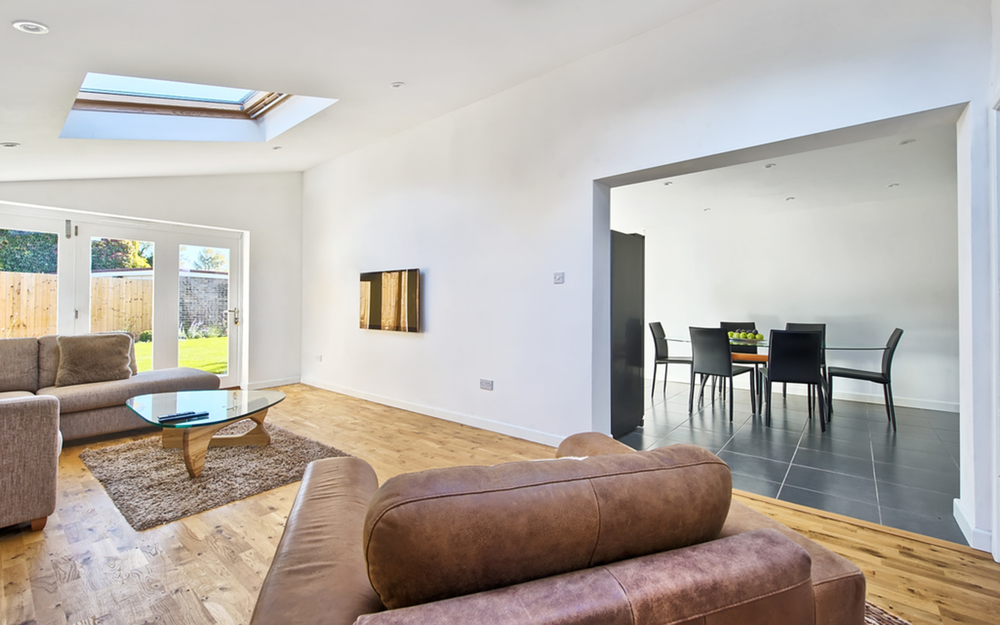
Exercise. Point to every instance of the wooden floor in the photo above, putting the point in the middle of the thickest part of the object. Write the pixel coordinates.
(89, 566)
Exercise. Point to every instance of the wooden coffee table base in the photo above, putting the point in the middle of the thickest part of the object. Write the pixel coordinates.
(196, 440)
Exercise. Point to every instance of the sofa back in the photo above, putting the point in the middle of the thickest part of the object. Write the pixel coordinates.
(449, 532)
(19, 365)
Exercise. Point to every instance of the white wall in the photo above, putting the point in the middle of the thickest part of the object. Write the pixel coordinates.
(269, 206)
(491, 199)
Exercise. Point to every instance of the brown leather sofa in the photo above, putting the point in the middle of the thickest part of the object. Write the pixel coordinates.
(602, 535)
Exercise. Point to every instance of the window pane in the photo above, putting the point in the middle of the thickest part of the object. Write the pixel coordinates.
(203, 326)
(121, 292)
(29, 283)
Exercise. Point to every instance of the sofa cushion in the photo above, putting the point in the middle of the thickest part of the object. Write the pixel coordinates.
(48, 358)
(759, 577)
(20, 364)
(90, 358)
(449, 532)
(104, 394)
(15, 394)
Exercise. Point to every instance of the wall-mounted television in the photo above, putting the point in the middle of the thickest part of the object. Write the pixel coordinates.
(390, 300)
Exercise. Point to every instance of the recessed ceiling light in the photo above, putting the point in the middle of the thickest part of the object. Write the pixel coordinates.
(32, 28)
(10, 144)
(770, 165)
(789, 198)
(706, 210)
(397, 85)
(277, 147)
(667, 183)
(907, 141)
(895, 184)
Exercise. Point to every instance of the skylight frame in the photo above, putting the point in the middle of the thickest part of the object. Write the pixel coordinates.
(251, 106)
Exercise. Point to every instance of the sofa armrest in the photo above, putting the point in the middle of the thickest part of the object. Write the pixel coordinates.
(591, 444)
(29, 458)
(758, 577)
(318, 574)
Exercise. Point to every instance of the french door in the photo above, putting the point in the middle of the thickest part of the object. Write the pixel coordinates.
(176, 288)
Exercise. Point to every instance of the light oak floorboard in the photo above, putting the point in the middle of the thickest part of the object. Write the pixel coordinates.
(89, 566)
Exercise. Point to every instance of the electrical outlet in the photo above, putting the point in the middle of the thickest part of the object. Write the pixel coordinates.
(486, 385)
(319, 358)
(559, 278)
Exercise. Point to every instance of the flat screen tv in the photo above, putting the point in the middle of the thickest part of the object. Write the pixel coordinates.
(390, 300)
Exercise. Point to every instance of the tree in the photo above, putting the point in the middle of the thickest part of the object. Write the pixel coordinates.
(117, 254)
(28, 252)
(210, 260)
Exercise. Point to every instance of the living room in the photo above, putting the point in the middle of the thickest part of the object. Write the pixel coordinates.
(491, 190)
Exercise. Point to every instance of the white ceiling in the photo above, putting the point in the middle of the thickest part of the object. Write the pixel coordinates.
(450, 53)
(922, 167)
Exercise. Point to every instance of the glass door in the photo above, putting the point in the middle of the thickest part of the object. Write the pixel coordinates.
(29, 282)
(170, 286)
(203, 323)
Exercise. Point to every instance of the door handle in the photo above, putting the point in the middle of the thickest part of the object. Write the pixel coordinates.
(236, 315)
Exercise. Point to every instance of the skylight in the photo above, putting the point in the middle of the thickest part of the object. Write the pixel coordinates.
(127, 107)
(109, 84)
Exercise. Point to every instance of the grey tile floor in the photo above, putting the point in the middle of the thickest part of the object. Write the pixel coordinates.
(858, 467)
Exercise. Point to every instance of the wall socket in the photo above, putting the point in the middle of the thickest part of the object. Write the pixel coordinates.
(319, 358)
(559, 278)
(486, 385)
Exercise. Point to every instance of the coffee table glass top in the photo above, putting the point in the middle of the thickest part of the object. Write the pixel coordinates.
(221, 406)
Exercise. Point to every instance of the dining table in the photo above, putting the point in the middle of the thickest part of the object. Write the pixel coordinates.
(761, 359)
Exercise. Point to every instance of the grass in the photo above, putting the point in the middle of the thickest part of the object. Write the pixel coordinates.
(210, 354)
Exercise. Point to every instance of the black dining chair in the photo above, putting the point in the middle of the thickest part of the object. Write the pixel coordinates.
(732, 326)
(796, 357)
(808, 327)
(663, 355)
(711, 356)
(883, 377)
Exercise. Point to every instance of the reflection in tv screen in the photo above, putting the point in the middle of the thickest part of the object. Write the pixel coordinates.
(390, 300)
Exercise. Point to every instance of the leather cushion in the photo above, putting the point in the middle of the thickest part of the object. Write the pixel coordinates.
(19, 370)
(91, 358)
(752, 579)
(449, 532)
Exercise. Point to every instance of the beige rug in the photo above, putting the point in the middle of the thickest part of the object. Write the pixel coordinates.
(150, 485)
(875, 615)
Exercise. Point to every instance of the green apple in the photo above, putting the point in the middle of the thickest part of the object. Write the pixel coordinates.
(731, 334)
(760, 337)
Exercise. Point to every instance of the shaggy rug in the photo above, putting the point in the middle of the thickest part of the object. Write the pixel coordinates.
(150, 485)
(875, 615)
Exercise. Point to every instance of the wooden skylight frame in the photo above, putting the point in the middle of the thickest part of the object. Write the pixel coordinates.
(254, 106)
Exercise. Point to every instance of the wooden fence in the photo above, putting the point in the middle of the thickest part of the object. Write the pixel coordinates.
(29, 306)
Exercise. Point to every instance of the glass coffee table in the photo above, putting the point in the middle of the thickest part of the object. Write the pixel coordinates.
(191, 419)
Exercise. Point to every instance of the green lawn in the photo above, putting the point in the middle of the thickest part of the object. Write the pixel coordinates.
(209, 354)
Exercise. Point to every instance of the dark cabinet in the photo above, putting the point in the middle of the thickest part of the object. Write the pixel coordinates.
(627, 337)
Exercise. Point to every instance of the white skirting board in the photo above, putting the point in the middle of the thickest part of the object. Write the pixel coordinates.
(256, 386)
(978, 538)
(536, 436)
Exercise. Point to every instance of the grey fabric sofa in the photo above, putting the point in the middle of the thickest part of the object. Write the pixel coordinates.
(29, 366)
(29, 459)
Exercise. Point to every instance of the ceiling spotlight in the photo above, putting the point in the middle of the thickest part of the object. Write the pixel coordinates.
(895, 184)
(667, 183)
(277, 147)
(789, 198)
(907, 141)
(770, 165)
(32, 28)
(10, 144)
(706, 210)
(397, 85)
